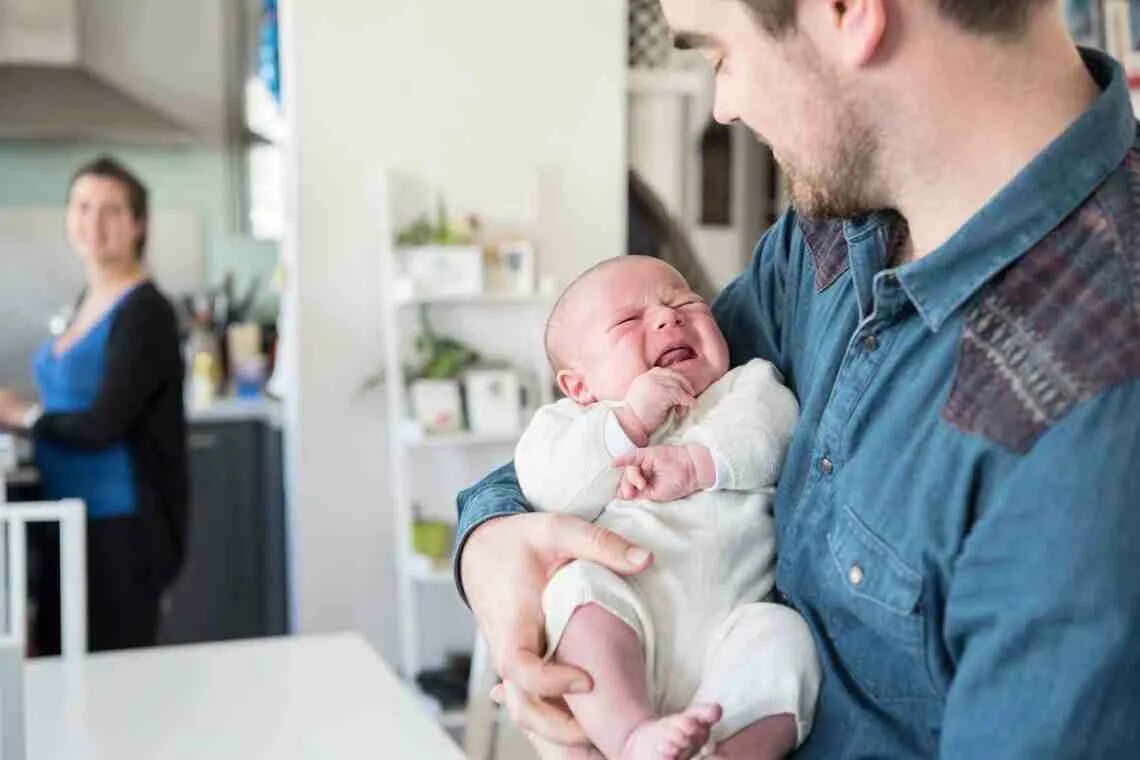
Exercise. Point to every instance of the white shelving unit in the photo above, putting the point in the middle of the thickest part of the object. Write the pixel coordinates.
(494, 325)
(668, 110)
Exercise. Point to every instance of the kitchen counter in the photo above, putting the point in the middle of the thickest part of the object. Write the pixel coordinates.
(261, 409)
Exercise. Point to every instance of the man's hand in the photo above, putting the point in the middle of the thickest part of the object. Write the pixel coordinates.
(665, 473)
(650, 399)
(505, 565)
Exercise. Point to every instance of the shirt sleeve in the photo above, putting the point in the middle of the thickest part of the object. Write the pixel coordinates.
(143, 353)
(749, 428)
(563, 461)
(1043, 612)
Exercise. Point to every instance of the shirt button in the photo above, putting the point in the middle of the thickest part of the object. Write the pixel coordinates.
(855, 575)
(826, 466)
(870, 342)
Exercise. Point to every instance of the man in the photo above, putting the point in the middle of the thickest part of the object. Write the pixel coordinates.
(955, 300)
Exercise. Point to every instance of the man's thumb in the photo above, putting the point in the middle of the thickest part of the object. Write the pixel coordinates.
(583, 540)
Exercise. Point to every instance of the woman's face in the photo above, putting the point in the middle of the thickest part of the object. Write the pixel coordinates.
(100, 224)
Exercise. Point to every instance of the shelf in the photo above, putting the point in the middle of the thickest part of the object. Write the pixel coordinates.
(413, 438)
(666, 81)
(476, 299)
(434, 575)
(454, 718)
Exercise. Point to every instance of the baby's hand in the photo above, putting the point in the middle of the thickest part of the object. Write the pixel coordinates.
(653, 395)
(665, 473)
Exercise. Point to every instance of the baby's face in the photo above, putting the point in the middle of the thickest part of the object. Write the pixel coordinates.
(638, 314)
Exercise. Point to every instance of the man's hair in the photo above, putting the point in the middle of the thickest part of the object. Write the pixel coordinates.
(1001, 18)
(137, 195)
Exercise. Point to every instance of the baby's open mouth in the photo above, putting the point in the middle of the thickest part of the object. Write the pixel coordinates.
(675, 355)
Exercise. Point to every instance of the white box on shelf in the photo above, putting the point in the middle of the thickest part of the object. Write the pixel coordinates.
(494, 402)
(437, 405)
(444, 270)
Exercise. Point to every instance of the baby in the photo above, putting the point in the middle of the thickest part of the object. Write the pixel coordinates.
(658, 442)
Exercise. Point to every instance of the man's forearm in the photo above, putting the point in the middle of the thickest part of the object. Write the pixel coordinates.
(497, 495)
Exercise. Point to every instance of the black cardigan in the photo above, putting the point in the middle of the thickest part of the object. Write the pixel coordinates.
(140, 403)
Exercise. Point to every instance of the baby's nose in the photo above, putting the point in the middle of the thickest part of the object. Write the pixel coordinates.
(668, 318)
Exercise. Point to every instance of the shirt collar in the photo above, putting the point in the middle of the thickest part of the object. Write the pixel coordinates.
(1042, 194)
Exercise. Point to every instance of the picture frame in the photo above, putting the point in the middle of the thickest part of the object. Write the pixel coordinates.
(511, 268)
(494, 400)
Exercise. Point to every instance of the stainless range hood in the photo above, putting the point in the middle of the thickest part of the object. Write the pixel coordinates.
(48, 92)
(69, 103)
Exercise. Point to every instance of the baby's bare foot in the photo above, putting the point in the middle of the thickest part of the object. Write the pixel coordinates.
(673, 737)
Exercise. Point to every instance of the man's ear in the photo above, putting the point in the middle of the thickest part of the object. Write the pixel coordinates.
(573, 384)
(851, 30)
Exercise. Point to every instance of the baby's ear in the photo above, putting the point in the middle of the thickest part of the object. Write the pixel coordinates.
(573, 384)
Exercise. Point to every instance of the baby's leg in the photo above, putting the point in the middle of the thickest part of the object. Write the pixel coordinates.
(771, 738)
(616, 714)
(761, 667)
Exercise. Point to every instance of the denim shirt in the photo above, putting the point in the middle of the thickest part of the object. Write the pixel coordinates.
(960, 506)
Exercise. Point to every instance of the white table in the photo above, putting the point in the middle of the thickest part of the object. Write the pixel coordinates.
(320, 698)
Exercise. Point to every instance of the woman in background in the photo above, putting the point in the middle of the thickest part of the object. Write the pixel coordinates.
(110, 426)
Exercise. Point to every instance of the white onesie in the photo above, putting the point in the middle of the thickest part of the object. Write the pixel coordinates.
(699, 610)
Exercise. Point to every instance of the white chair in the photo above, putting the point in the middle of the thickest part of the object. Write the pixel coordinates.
(71, 516)
(11, 699)
(482, 714)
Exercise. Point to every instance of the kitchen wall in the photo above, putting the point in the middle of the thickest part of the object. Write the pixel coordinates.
(516, 109)
(196, 179)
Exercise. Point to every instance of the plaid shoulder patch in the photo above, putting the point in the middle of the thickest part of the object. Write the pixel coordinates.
(828, 246)
(1059, 325)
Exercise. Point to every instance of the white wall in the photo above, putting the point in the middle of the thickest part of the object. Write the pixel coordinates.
(516, 109)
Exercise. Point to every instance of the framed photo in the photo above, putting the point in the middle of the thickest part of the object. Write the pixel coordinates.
(511, 268)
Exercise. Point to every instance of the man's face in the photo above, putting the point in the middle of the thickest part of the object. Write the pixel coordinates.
(791, 97)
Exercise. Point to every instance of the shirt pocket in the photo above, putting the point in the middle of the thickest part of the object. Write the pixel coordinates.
(876, 622)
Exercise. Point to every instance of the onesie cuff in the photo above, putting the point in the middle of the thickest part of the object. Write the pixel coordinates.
(617, 442)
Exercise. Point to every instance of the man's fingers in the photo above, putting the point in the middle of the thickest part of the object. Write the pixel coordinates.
(529, 672)
(577, 539)
(546, 719)
(547, 750)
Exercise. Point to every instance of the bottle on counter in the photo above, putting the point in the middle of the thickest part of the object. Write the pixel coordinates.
(203, 362)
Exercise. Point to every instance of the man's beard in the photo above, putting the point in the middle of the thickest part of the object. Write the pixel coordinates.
(846, 185)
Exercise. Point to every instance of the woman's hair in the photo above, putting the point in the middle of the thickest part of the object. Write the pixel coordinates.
(137, 196)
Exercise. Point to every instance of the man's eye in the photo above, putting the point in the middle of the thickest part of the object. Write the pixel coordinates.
(626, 320)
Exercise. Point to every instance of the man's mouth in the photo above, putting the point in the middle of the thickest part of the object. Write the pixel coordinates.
(674, 355)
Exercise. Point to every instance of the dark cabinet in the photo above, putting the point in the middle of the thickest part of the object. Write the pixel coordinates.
(233, 583)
